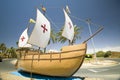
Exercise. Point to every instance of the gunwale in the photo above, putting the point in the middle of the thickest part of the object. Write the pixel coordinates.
(60, 60)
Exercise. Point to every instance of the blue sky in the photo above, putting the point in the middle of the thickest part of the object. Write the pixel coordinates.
(15, 14)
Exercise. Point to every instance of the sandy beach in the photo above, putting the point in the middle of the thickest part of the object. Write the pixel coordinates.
(7, 66)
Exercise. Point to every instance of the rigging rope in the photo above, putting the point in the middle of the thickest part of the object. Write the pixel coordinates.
(84, 20)
(52, 22)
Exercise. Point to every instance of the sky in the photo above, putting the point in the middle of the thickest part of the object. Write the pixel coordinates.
(15, 15)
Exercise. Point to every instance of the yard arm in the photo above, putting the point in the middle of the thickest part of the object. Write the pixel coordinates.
(100, 29)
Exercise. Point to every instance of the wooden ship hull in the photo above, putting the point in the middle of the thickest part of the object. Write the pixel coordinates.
(62, 64)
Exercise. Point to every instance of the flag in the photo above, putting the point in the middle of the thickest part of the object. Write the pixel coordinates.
(32, 21)
(67, 9)
(43, 9)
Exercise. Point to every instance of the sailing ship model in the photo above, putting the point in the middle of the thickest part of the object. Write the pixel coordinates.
(62, 64)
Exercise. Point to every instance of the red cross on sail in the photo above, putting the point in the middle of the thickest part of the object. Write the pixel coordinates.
(22, 38)
(68, 31)
(70, 25)
(44, 28)
(40, 35)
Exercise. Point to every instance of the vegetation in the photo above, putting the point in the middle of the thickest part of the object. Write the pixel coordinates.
(2, 48)
(11, 52)
(76, 34)
(88, 56)
(107, 54)
(100, 54)
(53, 38)
(63, 39)
(104, 54)
(7, 52)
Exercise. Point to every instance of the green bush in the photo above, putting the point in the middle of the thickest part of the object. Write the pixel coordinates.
(107, 54)
(100, 54)
(88, 56)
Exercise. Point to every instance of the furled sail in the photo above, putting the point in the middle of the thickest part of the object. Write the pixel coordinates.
(41, 33)
(23, 39)
(68, 31)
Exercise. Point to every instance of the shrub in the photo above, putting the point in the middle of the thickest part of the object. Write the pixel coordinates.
(107, 54)
(100, 54)
(88, 56)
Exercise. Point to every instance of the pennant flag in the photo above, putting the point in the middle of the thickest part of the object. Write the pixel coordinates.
(67, 9)
(43, 9)
(31, 21)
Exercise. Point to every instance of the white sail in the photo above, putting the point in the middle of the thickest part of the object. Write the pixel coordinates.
(41, 32)
(68, 31)
(23, 39)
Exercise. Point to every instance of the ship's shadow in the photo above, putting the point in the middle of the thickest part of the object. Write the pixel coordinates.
(43, 77)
